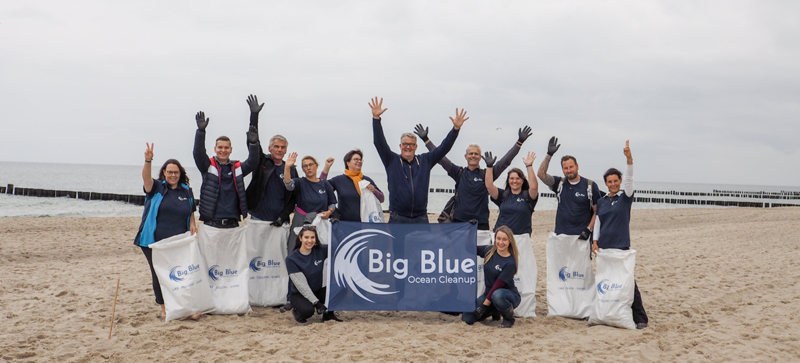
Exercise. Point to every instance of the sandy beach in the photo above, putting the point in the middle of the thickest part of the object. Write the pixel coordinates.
(719, 285)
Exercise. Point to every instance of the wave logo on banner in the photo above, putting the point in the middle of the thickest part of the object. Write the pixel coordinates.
(215, 273)
(603, 286)
(347, 272)
(564, 274)
(177, 274)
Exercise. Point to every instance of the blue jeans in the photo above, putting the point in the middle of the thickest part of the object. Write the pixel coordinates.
(396, 218)
(502, 299)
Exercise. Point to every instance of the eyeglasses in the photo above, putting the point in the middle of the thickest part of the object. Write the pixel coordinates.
(355, 160)
(172, 172)
(309, 228)
(308, 166)
(408, 145)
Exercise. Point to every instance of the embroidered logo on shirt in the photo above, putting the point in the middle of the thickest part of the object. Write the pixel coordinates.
(230, 172)
(497, 267)
(182, 198)
(317, 262)
(578, 194)
(477, 179)
(322, 191)
(615, 201)
(520, 200)
(281, 176)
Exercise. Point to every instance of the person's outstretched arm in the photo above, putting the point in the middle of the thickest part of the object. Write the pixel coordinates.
(627, 180)
(253, 151)
(552, 147)
(255, 108)
(199, 152)
(147, 173)
(438, 153)
(522, 135)
(287, 171)
(489, 180)
(533, 184)
(378, 138)
(423, 135)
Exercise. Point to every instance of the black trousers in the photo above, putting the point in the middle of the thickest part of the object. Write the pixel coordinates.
(148, 253)
(304, 307)
(639, 315)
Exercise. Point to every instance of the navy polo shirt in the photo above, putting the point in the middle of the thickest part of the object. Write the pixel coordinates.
(515, 211)
(574, 209)
(173, 212)
(472, 201)
(498, 267)
(349, 199)
(615, 220)
(274, 199)
(309, 265)
(313, 197)
(228, 199)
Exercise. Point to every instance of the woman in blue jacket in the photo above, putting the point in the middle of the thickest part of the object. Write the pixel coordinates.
(168, 211)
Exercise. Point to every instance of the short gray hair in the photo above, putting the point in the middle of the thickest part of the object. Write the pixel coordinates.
(475, 146)
(409, 135)
(280, 138)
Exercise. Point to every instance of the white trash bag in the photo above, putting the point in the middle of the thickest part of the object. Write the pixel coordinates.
(525, 279)
(371, 210)
(324, 233)
(225, 253)
(268, 282)
(485, 238)
(570, 279)
(182, 275)
(614, 288)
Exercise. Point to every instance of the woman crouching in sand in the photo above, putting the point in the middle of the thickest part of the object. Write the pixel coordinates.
(304, 266)
(499, 268)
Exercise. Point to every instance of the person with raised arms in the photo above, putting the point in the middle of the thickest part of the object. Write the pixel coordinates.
(168, 211)
(569, 270)
(346, 185)
(408, 175)
(314, 196)
(499, 267)
(472, 202)
(305, 267)
(517, 202)
(223, 200)
(613, 223)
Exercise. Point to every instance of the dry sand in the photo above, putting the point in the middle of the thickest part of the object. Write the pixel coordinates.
(718, 284)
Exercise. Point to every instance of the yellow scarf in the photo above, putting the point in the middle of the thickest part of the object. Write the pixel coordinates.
(356, 176)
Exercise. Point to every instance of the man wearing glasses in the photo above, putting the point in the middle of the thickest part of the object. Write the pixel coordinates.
(409, 174)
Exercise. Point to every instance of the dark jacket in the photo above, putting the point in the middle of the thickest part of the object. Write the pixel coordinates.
(210, 170)
(408, 182)
(260, 178)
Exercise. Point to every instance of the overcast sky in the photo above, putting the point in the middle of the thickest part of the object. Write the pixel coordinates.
(707, 91)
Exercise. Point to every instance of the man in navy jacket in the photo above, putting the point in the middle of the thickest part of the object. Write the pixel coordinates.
(409, 174)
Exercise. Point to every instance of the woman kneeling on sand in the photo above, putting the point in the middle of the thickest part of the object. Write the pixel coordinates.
(499, 268)
(305, 265)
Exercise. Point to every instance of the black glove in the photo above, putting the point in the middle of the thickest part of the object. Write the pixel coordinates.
(489, 159)
(277, 222)
(421, 132)
(252, 101)
(524, 134)
(321, 309)
(481, 312)
(552, 146)
(585, 234)
(252, 135)
(202, 121)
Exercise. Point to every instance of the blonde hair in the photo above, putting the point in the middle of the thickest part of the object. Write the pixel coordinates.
(512, 247)
(309, 157)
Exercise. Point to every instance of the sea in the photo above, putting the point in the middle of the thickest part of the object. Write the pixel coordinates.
(126, 179)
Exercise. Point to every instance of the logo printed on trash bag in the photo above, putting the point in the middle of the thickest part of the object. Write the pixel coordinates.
(215, 272)
(565, 275)
(603, 286)
(256, 264)
(346, 271)
(177, 274)
(375, 217)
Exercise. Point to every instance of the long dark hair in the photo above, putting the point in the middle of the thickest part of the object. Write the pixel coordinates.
(305, 228)
(184, 179)
(521, 175)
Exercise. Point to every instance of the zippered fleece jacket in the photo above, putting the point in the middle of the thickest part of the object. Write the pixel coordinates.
(409, 181)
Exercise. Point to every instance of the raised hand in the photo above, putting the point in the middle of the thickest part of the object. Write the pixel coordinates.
(252, 135)
(421, 132)
(252, 101)
(524, 134)
(148, 153)
(202, 121)
(627, 151)
(529, 159)
(489, 159)
(291, 159)
(376, 107)
(553, 146)
(459, 120)
(329, 162)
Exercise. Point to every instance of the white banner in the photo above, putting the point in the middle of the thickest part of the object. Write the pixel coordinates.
(485, 238)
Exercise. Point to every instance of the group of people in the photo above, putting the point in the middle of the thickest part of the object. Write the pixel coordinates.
(276, 192)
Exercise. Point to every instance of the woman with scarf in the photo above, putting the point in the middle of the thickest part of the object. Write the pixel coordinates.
(346, 185)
